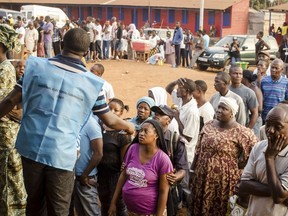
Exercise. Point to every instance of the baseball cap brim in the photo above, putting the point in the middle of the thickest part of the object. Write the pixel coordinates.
(164, 110)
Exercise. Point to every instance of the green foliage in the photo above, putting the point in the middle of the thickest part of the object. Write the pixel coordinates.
(264, 4)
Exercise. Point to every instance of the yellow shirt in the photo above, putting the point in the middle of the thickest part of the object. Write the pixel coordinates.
(284, 30)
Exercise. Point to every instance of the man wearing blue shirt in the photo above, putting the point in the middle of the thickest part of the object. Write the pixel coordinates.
(57, 99)
(274, 87)
(177, 38)
(91, 152)
(206, 39)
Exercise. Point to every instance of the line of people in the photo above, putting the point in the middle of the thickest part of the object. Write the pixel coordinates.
(193, 153)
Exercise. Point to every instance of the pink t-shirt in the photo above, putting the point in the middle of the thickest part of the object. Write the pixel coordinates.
(140, 191)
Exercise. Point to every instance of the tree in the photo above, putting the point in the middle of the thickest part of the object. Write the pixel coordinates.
(264, 4)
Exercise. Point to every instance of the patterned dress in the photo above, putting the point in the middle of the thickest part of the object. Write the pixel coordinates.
(216, 170)
(12, 191)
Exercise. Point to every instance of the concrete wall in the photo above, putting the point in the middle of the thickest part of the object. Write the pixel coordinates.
(256, 22)
(276, 18)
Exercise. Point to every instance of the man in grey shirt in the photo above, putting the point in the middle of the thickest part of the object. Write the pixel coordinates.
(221, 83)
(248, 96)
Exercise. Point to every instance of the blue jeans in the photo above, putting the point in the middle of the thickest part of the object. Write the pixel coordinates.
(48, 48)
(234, 60)
(105, 48)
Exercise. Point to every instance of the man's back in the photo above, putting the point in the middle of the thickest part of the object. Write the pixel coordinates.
(55, 107)
(248, 96)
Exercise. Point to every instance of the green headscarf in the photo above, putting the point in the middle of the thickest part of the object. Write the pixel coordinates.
(9, 38)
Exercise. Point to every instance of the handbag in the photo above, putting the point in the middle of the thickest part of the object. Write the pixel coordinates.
(234, 209)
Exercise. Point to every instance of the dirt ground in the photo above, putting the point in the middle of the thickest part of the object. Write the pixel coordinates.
(131, 80)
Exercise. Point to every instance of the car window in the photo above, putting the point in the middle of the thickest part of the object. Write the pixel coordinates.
(29, 14)
(228, 40)
(272, 43)
(15, 14)
(3, 14)
(249, 43)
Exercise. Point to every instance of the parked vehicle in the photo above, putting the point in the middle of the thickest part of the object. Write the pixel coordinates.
(218, 57)
(37, 10)
(4, 13)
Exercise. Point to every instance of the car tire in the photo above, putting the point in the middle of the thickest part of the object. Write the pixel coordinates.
(202, 67)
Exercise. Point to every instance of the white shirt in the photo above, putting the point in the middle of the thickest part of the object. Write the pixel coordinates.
(182, 45)
(189, 117)
(206, 111)
(153, 41)
(98, 28)
(21, 31)
(91, 27)
(114, 27)
(256, 170)
(108, 91)
(173, 126)
(31, 35)
(107, 36)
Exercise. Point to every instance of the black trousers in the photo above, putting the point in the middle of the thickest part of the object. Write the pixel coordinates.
(49, 189)
(183, 55)
(56, 47)
(177, 55)
(98, 48)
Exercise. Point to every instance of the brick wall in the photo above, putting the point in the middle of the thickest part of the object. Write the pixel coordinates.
(239, 19)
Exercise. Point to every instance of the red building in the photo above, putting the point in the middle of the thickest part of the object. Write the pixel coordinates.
(228, 16)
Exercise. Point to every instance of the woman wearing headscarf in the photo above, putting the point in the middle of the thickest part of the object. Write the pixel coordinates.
(221, 154)
(12, 191)
(144, 112)
(159, 95)
(143, 180)
(132, 34)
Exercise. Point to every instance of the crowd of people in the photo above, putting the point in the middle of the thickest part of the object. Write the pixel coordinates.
(205, 155)
(112, 40)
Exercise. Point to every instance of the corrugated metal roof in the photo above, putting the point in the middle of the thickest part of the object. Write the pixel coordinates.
(281, 7)
(189, 4)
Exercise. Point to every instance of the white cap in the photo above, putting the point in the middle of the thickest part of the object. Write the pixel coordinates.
(9, 15)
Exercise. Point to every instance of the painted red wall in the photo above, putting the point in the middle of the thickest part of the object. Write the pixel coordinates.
(75, 14)
(218, 23)
(164, 18)
(85, 12)
(239, 19)
(127, 16)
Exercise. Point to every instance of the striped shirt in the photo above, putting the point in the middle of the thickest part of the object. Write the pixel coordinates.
(74, 65)
(273, 93)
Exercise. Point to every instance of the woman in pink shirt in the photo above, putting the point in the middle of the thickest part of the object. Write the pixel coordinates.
(143, 180)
